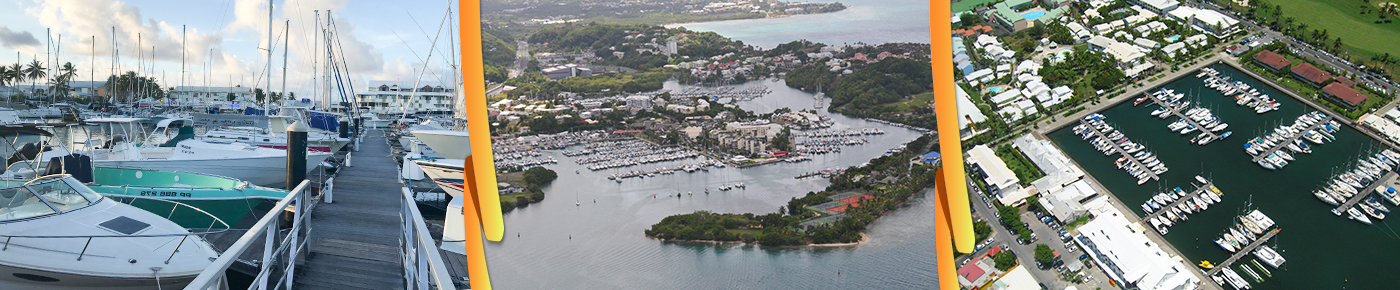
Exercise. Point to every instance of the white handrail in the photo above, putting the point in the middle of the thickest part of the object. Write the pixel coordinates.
(212, 278)
(427, 271)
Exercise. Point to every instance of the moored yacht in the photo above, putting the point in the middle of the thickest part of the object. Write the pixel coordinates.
(49, 224)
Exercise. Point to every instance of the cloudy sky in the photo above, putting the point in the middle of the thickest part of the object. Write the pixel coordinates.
(225, 39)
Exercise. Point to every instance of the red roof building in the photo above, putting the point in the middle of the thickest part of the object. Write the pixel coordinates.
(1347, 96)
(971, 272)
(1313, 75)
(1271, 60)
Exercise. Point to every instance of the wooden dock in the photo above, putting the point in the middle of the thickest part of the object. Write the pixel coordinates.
(1243, 252)
(1194, 193)
(1119, 149)
(1389, 175)
(355, 243)
(1176, 111)
(1285, 142)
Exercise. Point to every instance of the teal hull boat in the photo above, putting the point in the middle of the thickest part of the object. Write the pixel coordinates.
(226, 198)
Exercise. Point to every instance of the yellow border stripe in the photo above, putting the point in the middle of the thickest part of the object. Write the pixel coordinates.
(953, 221)
(484, 214)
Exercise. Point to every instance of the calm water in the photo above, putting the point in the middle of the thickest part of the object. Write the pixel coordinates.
(609, 251)
(1324, 251)
(869, 21)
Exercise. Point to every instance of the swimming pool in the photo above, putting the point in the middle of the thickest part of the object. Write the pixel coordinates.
(1173, 38)
(1033, 15)
(994, 90)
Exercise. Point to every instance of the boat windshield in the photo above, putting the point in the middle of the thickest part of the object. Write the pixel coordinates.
(44, 197)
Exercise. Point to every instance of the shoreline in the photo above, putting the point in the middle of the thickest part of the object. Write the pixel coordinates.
(863, 239)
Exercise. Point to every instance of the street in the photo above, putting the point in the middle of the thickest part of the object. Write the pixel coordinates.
(1025, 254)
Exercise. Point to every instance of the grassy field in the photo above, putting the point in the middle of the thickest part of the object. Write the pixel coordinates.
(1360, 34)
(919, 100)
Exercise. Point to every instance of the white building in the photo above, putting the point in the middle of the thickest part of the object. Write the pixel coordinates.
(1209, 21)
(1129, 257)
(196, 95)
(1001, 182)
(387, 97)
(638, 102)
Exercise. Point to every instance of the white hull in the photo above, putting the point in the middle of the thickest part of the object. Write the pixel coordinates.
(267, 170)
(448, 143)
(447, 173)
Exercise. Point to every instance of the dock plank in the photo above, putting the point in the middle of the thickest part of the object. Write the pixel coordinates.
(357, 239)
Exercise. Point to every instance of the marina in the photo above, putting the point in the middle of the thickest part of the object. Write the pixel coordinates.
(1287, 193)
(1315, 126)
(1137, 162)
(1179, 204)
(1352, 202)
(1193, 120)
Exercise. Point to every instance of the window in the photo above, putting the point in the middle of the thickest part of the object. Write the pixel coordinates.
(18, 203)
(60, 195)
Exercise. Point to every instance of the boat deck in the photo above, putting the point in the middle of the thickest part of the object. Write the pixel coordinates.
(1199, 190)
(1177, 112)
(1119, 149)
(1243, 252)
(1280, 145)
(1389, 175)
(355, 243)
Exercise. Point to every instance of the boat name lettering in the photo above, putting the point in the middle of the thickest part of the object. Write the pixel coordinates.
(164, 193)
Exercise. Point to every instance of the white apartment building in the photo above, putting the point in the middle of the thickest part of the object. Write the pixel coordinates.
(388, 97)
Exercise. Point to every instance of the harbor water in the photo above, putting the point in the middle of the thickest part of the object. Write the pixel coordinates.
(600, 245)
(867, 21)
(1323, 251)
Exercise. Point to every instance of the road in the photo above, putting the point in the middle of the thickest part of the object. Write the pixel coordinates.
(1025, 254)
(1316, 55)
(522, 58)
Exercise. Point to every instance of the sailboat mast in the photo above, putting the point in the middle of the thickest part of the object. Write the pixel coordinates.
(286, 38)
(267, 92)
(315, 59)
(183, 53)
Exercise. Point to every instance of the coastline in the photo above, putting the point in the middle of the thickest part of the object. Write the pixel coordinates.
(863, 239)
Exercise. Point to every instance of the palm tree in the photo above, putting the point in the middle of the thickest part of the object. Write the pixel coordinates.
(4, 75)
(16, 73)
(34, 73)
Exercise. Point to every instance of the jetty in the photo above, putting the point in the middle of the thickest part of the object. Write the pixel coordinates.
(1119, 149)
(1270, 151)
(1176, 111)
(1183, 199)
(1389, 175)
(1243, 252)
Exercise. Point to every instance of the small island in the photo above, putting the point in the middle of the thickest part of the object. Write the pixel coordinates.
(837, 215)
(524, 187)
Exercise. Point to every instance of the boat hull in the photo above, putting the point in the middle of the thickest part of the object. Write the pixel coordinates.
(9, 280)
(266, 170)
(448, 143)
(447, 173)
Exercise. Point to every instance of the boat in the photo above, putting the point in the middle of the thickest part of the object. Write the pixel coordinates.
(1376, 205)
(448, 174)
(49, 223)
(1371, 211)
(226, 198)
(1269, 256)
(448, 143)
(1225, 245)
(1140, 100)
(1234, 279)
(1324, 197)
(1206, 265)
(1355, 214)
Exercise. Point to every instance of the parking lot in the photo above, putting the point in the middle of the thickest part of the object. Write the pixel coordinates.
(1047, 233)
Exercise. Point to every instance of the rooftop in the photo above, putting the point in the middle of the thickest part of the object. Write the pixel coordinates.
(1272, 59)
(1307, 70)
(1344, 93)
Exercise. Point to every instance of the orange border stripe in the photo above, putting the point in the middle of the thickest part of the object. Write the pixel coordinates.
(953, 221)
(483, 216)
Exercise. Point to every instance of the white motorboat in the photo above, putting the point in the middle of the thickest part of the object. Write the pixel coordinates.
(1269, 256)
(372, 120)
(1355, 214)
(50, 223)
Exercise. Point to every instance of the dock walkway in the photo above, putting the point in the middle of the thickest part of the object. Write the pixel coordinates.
(1285, 142)
(1176, 111)
(1165, 209)
(1367, 192)
(1242, 252)
(1119, 149)
(355, 242)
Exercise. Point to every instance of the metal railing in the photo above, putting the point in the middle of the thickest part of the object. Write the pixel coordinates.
(9, 240)
(269, 229)
(423, 265)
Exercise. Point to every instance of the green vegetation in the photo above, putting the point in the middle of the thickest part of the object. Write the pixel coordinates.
(533, 179)
(1078, 222)
(1005, 260)
(981, 230)
(1011, 219)
(783, 227)
(1284, 78)
(1364, 28)
(1024, 169)
(1044, 254)
(605, 84)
